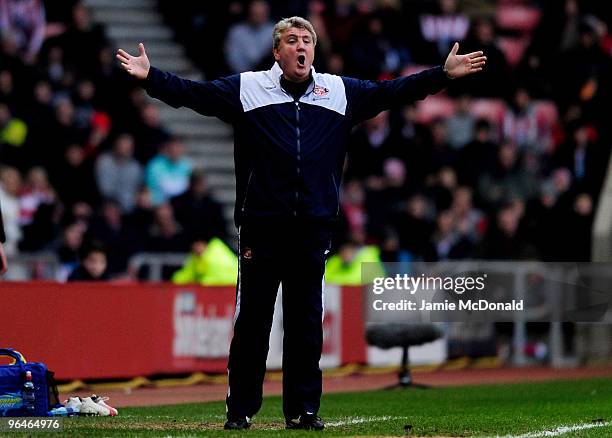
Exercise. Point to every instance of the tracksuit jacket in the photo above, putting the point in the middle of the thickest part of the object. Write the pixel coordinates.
(289, 153)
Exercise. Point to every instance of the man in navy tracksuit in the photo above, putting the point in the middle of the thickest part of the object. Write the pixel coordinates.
(291, 126)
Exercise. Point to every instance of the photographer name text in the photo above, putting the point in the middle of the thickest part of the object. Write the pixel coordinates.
(446, 306)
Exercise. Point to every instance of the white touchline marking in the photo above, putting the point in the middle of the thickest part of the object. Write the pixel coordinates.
(360, 420)
(560, 430)
(355, 420)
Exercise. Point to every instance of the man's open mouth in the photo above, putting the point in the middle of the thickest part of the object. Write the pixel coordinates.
(301, 60)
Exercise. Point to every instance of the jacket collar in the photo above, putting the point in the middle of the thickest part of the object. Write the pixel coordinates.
(276, 72)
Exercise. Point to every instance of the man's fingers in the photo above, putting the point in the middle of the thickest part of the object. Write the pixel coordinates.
(141, 49)
(478, 65)
(122, 58)
(474, 54)
(124, 54)
(478, 60)
(455, 49)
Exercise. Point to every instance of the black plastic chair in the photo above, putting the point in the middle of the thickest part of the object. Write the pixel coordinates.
(405, 335)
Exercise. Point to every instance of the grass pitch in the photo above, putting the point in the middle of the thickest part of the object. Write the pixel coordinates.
(583, 407)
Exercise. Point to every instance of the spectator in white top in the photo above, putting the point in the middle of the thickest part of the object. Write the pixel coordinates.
(10, 187)
(37, 191)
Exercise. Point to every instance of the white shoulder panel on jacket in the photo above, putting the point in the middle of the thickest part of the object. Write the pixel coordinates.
(259, 89)
(328, 92)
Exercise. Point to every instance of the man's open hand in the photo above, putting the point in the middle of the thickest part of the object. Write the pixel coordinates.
(137, 66)
(457, 66)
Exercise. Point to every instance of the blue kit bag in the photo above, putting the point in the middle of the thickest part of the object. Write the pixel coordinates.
(12, 380)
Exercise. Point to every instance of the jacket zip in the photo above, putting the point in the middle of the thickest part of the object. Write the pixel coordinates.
(299, 151)
(246, 192)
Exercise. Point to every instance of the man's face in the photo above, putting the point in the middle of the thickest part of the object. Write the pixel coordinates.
(295, 54)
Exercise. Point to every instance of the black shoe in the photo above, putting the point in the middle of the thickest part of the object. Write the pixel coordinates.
(239, 424)
(306, 422)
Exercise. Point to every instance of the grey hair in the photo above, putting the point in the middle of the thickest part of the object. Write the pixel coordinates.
(288, 23)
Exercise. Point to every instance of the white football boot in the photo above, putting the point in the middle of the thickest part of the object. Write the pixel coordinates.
(90, 407)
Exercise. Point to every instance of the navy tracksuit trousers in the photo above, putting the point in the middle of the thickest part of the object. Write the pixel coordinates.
(291, 252)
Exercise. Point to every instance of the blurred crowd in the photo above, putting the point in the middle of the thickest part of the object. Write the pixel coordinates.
(84, 160)
(507, 164)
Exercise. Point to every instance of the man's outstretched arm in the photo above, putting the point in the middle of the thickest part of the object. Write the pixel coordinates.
(368, 98)
(219, 98)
